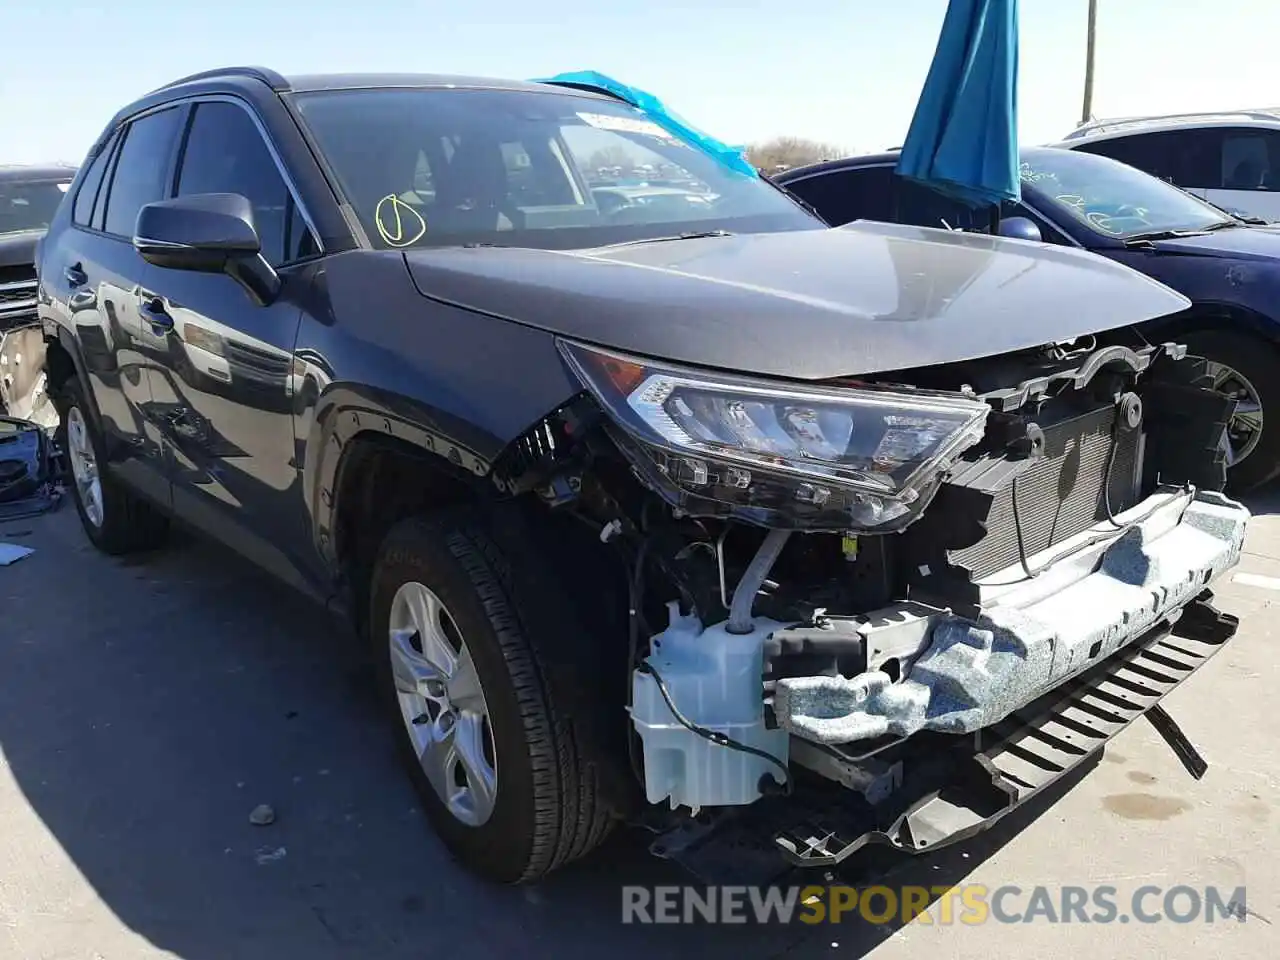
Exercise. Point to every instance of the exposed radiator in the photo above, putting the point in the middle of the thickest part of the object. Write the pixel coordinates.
(1059, 495)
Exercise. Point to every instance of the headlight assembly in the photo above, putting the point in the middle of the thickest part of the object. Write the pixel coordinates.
(781, 454)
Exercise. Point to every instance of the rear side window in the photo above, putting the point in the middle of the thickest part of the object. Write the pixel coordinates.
(843, 196)
(140, 174)
(1188, 158)
(225, 153)
(1251, 160)
(86, 197)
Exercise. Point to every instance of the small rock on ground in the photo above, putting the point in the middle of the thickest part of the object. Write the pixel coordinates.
(262, 815)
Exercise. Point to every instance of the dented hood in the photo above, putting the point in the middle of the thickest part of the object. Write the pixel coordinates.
(809, 305)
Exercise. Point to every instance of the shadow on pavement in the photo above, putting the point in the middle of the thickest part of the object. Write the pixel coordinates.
(1264, 500)
(150, 706)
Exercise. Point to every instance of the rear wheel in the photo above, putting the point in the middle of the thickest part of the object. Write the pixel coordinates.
(116, 520)
(493, 725)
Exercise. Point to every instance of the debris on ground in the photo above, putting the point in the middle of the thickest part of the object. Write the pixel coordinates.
(30, 469)
(262, 815)
(12, 553)
(269, 854)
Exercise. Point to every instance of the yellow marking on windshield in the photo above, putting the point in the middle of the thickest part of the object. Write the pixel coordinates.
(390, 217)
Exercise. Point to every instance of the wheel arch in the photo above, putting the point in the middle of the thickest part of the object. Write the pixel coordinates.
(1212, 314)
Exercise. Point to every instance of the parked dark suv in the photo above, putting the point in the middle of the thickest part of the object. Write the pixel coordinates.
(644, 510)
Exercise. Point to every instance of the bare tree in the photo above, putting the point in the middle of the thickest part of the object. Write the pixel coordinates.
(782, 153)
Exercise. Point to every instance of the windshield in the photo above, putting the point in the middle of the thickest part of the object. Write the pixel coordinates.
(446, 167)
(29, 204)
(1113, 199)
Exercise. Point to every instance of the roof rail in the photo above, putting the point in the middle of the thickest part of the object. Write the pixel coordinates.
(1266, 113)
(272, 79)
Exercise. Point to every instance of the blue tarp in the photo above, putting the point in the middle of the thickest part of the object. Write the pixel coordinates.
(963, 139)
(731, 157)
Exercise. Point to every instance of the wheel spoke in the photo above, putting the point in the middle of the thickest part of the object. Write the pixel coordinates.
(436, 649)
(464, 684)
(409, 668)
(469, 738)
(1249, 416)
(438, 757)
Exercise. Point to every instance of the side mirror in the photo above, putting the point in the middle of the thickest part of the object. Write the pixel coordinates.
(206, 233)
(1020, 228)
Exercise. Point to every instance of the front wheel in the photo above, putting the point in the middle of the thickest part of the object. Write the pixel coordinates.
(1248, 370)
(494, 730)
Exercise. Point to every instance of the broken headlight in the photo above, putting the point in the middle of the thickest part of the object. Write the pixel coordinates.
(781, 454)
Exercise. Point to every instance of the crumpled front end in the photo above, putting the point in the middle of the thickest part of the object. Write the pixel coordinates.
(972, 672)
(860, 592)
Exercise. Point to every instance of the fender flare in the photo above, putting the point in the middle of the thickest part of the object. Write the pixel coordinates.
(344, 415)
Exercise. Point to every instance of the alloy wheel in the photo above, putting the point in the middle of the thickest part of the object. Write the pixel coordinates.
(84, 466)
(442, 704)
(1244, 430)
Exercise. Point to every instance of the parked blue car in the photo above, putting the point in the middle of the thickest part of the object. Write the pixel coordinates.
(1228, 267)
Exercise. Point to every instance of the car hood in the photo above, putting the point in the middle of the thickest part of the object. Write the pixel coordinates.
(19, 249)
(1251, 242)
(810, 305)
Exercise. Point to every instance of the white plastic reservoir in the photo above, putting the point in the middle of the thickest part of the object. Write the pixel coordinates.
(714, 678)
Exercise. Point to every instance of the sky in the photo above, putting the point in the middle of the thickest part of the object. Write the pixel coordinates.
(846, 72)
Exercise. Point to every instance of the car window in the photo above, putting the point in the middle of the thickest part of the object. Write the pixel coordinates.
(140, 174)
(1152, 152)
(225, 153)
(87, 195)
(549, 169)
(100, 204)
(922, 207)
(843, 196)
(30, 204)
(1196, 163)
(1251, 160)
(1111, 198)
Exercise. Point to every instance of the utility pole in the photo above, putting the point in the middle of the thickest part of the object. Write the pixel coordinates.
(1087, 112)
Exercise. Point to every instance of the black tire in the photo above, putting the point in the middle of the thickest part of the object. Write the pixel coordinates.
(550, 805)
(1259, 362)
(129, 524)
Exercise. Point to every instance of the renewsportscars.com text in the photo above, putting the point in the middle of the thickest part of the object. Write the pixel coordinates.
(968, 904)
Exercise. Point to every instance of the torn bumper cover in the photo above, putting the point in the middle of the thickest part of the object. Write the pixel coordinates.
(1101, 591)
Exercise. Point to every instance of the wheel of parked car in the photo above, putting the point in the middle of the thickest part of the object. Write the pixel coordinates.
(1249, 370)
(495, 727)
(116, 520)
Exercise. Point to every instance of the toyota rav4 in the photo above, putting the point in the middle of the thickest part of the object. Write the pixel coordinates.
(698, 515)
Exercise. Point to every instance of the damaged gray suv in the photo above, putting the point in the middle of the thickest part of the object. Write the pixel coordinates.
(698, 515)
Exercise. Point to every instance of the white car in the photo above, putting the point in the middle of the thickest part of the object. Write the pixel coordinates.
(1231, 159)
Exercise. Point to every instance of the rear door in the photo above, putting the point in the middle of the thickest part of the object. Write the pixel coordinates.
(223, 388)
(93, 274)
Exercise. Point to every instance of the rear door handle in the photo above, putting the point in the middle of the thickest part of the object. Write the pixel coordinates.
(155, 314)
(76, 276)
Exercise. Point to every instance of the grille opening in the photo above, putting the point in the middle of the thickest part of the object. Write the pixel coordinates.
(1059, 495)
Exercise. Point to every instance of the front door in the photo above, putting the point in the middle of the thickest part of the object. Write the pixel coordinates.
(223, 392)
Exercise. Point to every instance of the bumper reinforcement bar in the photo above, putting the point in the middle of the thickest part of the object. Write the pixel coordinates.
(1004, 765)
